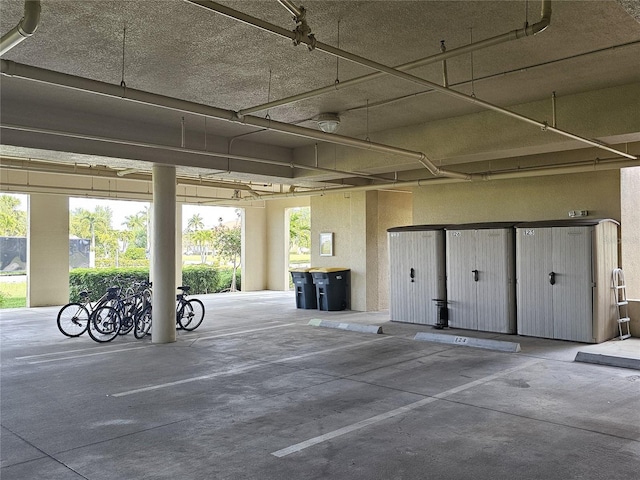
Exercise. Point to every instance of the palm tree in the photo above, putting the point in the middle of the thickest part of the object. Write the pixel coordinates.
(92, 222)
(136, 226)
(195, 223)
(203, 239)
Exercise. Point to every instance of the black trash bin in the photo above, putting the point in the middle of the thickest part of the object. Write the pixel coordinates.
(305, 289)
(332, 288)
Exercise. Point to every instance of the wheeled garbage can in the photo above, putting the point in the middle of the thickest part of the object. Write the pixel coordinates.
(332, 288)
(305, 289)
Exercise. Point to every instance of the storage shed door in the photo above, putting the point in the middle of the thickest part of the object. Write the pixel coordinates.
(572, 292)
(416, 275)
(535, 294)
(494, 250)
(461, 285)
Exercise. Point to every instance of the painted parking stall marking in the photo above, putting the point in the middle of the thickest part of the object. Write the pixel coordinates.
(393, 413)
(243, 369)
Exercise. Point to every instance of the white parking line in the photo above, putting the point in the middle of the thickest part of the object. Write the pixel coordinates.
(87, 355)
(244, 331)
(65, 352)
(240, 369)
(393, 413)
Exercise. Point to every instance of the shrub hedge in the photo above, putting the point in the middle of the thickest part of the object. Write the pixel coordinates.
(201, 278)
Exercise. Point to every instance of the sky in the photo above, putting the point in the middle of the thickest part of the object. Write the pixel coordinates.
(124, 208)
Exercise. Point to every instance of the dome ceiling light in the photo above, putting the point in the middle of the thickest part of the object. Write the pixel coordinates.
(328, 122)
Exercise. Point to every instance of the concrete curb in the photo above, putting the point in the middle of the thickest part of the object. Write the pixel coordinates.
(468, 341)
(355, 327)
(608, 360)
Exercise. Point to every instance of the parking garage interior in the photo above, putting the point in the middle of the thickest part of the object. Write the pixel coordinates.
(377, 115)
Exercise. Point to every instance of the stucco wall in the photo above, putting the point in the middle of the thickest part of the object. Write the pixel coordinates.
(344, 216)
(362, 245)
(395, 209)
(630, 230)
(634, 315)
(525, 199)
(359, 222)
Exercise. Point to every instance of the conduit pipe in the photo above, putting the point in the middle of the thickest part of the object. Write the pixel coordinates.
(582, 167)
(169, 148)
(25, 28)
(312, 42)
(527, 30)
(133, 174)
(50, 77)
(292, 8)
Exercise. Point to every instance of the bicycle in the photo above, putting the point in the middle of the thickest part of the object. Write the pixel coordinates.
(73, 318)
(189, 313)
(105, 321)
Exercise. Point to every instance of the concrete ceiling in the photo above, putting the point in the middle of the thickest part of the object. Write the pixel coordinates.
(179, 50)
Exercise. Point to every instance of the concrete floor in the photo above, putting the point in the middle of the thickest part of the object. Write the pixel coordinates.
(256, 393)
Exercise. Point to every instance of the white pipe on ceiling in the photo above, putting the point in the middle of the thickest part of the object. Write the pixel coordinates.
(527, 30)
(131, 143)
(13, 69)
(291, 7)
(25, 28)
(581, 167)
(314, 44)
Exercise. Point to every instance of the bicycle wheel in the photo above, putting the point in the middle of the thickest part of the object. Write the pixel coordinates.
(192, 314)
(143, 323)
(73, 319)
(104, 324)
(128, 314)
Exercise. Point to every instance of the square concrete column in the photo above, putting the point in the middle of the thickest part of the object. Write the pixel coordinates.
(163, 254)
(48, 250)
(178, 244)
(254, 241)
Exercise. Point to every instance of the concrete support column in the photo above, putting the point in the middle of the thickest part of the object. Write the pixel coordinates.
(163, 254)
(630, 230)
(48, 250)
(254, 241)
(277, 226)
(178, 244)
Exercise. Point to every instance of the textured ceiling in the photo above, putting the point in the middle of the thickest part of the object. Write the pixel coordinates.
(180, 50)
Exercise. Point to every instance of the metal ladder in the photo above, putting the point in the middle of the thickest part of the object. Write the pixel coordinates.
(620, 299)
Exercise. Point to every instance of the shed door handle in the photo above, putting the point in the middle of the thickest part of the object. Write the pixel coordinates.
(552, 278)
(412, 274)
(475, 275)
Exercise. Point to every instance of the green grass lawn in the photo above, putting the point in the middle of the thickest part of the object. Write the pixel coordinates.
(13, 295)
(296, 259)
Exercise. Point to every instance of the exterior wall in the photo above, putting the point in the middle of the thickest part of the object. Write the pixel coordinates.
(335, 213)
(278, 241)
(524, 199)
(634, 315)
(359, 221)
(48, 250)
(394, 210)
(630, 231)
(352, 219)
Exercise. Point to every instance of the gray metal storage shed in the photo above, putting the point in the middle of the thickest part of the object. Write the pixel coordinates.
(416, 273)
(480, 262)
(563, 271)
